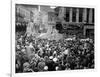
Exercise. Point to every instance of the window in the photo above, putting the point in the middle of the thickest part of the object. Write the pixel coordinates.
(74, 15)
(67, 15)
(93, 15)
(80, 15)
(87, 15)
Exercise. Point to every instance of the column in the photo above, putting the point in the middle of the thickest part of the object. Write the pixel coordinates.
(64, 12)
(77, 15)
(61, 13)
(39, 8)
(84, 15)
(70, 17)
(90, 15)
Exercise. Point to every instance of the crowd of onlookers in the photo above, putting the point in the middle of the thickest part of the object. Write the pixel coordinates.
(35, 54)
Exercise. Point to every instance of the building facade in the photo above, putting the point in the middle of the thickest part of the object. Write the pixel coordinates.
(81, 17)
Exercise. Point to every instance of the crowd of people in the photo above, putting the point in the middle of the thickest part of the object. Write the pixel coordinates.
(36, 55)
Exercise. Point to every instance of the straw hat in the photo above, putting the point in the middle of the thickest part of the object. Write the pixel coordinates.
(46, 68)
(18, 46)
(55, 59)
(57, 68)
(51, 57)
(66, 51)
(54, 52)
